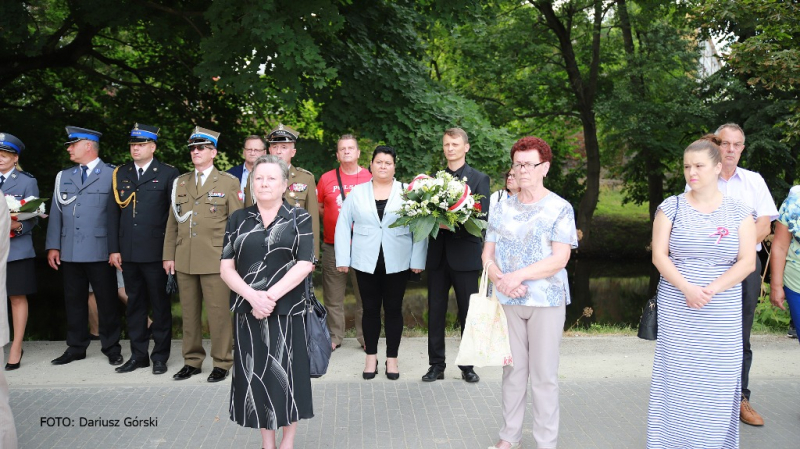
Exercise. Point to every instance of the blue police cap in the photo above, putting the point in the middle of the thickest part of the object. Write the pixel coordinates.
(144, 133)
(11, 143)
(75, 134)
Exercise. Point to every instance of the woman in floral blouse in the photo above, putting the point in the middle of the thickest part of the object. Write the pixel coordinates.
(528, 244)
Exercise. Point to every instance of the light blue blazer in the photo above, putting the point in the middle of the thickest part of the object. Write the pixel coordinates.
(369, 234)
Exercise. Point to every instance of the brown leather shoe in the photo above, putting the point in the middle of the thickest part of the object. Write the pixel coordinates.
(748, 415)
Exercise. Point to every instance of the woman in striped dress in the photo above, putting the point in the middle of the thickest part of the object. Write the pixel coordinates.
(703, 246)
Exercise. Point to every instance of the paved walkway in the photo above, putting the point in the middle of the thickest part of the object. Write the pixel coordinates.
(604, 388)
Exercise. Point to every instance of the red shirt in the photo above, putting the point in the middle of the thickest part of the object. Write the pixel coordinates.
(330, 199)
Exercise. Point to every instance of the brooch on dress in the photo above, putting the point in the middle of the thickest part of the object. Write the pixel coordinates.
(721, 232)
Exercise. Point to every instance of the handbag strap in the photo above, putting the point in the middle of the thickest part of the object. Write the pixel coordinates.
(339, 178)
(307, 280)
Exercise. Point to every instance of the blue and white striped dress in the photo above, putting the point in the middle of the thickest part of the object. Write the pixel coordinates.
(695, 387)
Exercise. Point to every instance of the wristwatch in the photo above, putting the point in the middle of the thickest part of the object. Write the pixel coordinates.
(18, 231)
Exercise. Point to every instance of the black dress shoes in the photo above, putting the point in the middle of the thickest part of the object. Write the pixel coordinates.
(470, 375)
(159, 367)
(115, 359)
(132, 364)
(390, 376)
(434, 373)
(368, 376)
(68, 357)
(13, 366)
(217, 374)
(186, 372)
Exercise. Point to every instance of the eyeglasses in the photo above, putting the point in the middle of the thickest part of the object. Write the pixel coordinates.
(526, 165)
(254, 150)
(737, 145)
(200, 148)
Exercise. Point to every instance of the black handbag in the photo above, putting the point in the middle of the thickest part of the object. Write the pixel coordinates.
(648, 324)
(318, 337)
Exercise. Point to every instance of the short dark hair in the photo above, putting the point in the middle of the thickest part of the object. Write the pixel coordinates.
(531, 143)
(385, 149)
(255, 137)
(457, 132)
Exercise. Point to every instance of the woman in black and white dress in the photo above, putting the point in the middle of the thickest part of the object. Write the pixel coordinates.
(268, 252)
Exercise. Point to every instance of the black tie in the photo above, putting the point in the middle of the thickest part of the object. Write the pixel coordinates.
(84, 168)
(2, 181)
(141, 172)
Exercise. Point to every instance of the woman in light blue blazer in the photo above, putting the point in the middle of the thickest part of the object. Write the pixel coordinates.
(381, 256)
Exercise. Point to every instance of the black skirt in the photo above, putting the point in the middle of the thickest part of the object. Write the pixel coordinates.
(21, 277)
(271, 384)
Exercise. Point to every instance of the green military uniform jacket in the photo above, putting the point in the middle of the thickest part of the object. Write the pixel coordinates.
(302, 192)
(197, 219)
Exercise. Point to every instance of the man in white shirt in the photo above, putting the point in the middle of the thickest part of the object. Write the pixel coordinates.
(750, 188)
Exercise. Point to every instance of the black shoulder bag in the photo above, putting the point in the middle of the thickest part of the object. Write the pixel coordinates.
(648, 324)
(318, 337)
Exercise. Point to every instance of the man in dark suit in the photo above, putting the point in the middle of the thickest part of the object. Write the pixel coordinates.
(254, 147)
(137, 220)
(77, 245)
(454, 260)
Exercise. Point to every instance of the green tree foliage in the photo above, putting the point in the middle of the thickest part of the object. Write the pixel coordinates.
(235, 66)
(536, 68)
(655, 107)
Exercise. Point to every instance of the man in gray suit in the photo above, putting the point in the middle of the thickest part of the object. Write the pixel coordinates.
(77, 243)
(8, 433)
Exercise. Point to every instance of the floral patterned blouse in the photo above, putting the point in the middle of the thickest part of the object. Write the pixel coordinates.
(523, 234)
(789, 215)
(262, 256)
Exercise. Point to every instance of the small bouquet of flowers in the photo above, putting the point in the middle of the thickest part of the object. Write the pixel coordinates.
(429, 202)
(26, 209)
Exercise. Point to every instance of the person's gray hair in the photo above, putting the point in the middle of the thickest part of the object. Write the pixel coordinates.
(95, 146)
(732, 126)
(270, 159)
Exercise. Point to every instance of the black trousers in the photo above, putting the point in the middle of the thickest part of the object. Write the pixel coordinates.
(77, 276)
(145, 284)
(440, 279)
(387, 290)
(751, 287)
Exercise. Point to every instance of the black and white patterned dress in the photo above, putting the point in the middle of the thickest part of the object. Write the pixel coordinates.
(695, 387)
(271, 384)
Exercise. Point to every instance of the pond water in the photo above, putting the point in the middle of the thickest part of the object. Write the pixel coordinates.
(615, 290)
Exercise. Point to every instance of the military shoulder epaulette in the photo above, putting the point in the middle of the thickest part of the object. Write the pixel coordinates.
(110, 165)
(304, 171)
(188, 173)
(229, 175)
(26, 174)
(165, 164)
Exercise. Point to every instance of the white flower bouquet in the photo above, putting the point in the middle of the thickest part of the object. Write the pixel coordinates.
(25, 209)
(429, 202)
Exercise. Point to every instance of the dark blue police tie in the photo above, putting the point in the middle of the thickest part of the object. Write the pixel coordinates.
(84, 168)
(2, 181)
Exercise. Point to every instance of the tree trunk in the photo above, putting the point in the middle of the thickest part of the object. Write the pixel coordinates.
(584, 88)
(655, 176)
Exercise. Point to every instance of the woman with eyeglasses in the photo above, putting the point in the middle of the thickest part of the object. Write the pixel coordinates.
(381, 256)
(528, 244)
(508, 191)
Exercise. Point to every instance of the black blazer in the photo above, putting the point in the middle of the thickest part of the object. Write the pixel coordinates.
(461, 249)
(140, 238)
(237, 171)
